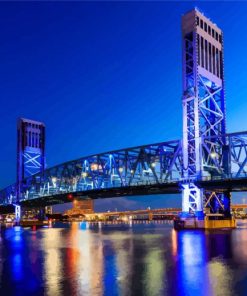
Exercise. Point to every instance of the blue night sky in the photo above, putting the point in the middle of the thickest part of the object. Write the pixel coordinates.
(105, 76)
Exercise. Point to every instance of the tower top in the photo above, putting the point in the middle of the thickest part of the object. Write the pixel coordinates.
(30, 121)
(202, 21)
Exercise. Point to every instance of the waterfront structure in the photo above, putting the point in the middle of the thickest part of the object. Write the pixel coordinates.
(30, 150)
(205, 166)
(30, 155)
(204, 119)
(147, 214)
(81, 208)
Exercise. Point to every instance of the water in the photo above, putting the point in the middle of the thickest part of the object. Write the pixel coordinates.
(138, 259)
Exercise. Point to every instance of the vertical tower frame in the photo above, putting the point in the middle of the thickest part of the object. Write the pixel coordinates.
(30, 151)
(204, 126)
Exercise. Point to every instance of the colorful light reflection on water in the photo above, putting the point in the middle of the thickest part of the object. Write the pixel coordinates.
(130, 259)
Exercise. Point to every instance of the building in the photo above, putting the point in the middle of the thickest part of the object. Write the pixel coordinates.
(81, 208)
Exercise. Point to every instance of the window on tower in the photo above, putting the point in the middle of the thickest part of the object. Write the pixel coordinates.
(213, 33)
(201, 24)
(197, 20)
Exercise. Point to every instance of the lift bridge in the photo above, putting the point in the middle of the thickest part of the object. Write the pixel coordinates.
(149, 169)
(205, 166)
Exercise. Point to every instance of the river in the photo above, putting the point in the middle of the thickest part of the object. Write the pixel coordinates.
(146, 258)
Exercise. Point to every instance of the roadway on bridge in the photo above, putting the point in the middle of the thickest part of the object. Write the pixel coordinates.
(221, 185)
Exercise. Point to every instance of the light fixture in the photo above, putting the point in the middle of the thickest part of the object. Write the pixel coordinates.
(54, 179)
(84, 174)
(94, 167)
(213, 154)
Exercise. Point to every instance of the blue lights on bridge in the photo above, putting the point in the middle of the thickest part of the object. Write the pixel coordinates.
(154, 164)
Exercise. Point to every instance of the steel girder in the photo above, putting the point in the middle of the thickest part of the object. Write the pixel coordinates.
(230, 160)
(32, 162)
(191, 195)
(238, 155)
(212, 125)
(190, 109)
(150, 164)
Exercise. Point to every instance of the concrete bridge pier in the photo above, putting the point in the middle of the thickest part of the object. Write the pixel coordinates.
(216, 212)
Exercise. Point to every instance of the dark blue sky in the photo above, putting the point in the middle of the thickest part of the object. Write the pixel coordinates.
(104, 76)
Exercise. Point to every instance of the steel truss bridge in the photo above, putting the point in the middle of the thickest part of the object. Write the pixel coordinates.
(150, 169)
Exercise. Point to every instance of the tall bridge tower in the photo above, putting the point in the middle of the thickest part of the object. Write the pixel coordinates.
(30, 151)
(204, 119)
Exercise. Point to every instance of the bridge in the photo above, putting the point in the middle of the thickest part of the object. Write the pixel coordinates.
(148, 213)
(150, 169)
(205, 166)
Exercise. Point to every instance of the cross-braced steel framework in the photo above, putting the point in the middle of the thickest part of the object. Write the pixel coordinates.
(203, 106)
(30, 150)
(150, 164)
(155, 164)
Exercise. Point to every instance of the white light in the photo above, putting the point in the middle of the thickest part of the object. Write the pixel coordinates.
(120, 170)
(132, 171)
(54, 179)
(84, 174)
(153, 164)
(94, 167)
(213, 154)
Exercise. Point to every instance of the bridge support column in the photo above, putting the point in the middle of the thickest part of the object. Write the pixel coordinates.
(218, 203)
(204, 133)
(215, 212)
(192, 201)
(17, 213)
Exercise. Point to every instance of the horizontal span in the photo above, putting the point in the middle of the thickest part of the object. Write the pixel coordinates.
(232, 185)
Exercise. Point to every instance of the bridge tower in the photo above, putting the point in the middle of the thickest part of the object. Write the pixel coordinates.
(30, 151)
(204, 119)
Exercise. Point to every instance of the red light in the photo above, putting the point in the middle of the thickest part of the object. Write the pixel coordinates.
(70, 196)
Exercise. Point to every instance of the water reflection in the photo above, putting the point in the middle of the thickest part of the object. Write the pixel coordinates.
(51, 243)
(190, 265)
(138, 259)
(16, 245)
(201, 262)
